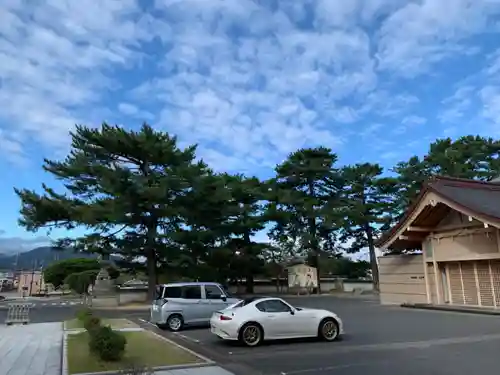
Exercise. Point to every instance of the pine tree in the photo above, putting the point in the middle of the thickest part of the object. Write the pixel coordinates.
(125, 187)
(367, 201)
(305, 186)
(471, 157)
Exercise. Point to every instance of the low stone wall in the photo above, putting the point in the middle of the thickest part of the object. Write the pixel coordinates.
(327, 285)
(134, 294)
(127, 295)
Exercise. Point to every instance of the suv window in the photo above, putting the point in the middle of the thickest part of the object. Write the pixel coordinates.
(273, 306)
(173, 292)
(212, 292)
(192, 292)
(159, 292)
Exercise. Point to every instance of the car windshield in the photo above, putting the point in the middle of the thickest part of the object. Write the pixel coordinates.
(226, 291)
(159, 292)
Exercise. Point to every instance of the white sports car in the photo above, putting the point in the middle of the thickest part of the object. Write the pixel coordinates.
(254, 320)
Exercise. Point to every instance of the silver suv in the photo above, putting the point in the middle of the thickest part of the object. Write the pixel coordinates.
(190, 303)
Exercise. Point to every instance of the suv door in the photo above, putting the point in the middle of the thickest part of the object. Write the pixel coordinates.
(213, 299)
(156, 306)
(191, 304)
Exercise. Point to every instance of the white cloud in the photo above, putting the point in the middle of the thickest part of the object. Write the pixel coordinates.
(55, 60)
(248, 81)
(420, 34)
(490, 97)
(413, 120)
(131, 110)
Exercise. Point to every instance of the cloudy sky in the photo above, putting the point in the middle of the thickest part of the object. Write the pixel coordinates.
(248, 80)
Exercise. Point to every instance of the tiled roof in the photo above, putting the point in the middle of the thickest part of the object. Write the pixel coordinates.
(482, 198)
(479, 197)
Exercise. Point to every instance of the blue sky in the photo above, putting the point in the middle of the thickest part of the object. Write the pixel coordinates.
(248, 80)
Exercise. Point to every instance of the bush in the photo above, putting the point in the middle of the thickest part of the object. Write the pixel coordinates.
(83, 314)
(91, 323)
(107, 344)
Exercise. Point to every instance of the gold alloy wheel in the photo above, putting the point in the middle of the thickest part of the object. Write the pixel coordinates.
(251, 335)
(329, 330)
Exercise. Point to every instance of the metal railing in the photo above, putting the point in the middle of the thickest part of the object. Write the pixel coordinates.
(18, 313)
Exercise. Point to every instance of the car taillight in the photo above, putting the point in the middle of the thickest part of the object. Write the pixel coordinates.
(224, 317)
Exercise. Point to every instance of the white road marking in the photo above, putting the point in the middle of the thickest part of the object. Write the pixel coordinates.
(147, 321)
(328, 368)
(187, 338)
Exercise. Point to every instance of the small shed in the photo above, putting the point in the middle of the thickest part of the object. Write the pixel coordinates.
(302, 277)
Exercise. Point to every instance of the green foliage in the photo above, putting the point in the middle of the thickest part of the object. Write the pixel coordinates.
(345, 267)
(471, 157)
(57, 272)
(79, 282)
(91, 323)
(107, 344)
(83, 314)
(113, 273)
(301, 198)
(367, 201)
(125, 186)
(137, 193)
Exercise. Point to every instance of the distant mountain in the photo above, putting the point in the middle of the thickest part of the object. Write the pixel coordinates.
(39, 257)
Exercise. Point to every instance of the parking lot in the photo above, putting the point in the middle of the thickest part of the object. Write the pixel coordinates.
(378, 340)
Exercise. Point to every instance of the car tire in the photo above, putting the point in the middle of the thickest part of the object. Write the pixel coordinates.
(328, 329)
(251, 334)
(175, 323)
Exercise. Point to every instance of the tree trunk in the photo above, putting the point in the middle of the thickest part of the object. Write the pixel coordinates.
(151, 268)
(373, 257)
(314, 240)
(249, 280)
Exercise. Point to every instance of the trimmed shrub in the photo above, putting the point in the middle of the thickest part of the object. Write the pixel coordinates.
(107, 344)
(91, 323)
(83, 314)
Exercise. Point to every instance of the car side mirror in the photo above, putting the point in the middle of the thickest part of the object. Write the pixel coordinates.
(292, 312)
(223, 297)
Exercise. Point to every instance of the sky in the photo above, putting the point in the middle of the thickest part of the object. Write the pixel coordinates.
(249, 81)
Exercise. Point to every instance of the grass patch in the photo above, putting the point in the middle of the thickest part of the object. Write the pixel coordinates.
(114, 323)
(142, 348)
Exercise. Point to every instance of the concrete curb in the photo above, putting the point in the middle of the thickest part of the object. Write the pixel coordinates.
(123, 308)
(155, 369)
(450, 309)
(130, 329)
(64, 367)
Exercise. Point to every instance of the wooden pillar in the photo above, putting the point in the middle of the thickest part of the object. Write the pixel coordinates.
(426, 278)
(478, 290)
(462, 282)
(437, 274)
(497, 234)
(495, 304)
(448, 282)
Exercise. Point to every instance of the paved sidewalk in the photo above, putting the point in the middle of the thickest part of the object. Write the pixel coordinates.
(31, 349)
(5, 305)
(36, 349)
(208, 370)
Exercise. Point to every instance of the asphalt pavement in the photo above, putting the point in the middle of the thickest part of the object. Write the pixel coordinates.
(378, 340)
